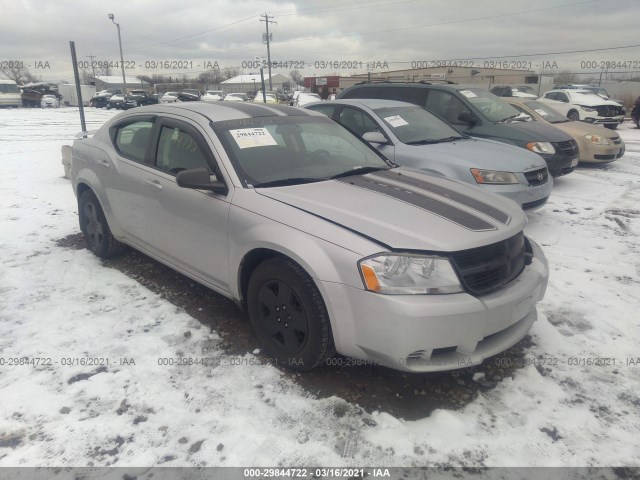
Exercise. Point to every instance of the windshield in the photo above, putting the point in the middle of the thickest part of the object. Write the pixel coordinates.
(297, 148)
(489, 105)
(547, 112)
(8, 88)
(415, 124)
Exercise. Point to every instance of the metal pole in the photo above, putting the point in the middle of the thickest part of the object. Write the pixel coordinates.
(267, 21)
(93, 67)
(76, 74)
(264, 94)
(268, 52)
(124, 81)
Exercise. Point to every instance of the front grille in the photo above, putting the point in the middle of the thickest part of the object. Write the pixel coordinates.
(616, 140)
(537, 177)
(568, 148)
(608, 110)
(488, 268)
(604, 157)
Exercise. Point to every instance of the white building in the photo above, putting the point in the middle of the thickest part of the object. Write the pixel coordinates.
(252, 83)
(104, 82)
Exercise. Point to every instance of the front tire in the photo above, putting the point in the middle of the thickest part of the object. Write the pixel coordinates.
(95, 228)
(288, 315)
(573, 115)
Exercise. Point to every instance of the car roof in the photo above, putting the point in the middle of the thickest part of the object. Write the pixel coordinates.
(226, 111)
(372, 103)
(441, 86)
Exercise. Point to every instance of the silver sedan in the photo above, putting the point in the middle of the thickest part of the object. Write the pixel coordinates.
(414, 137)
(329, 246)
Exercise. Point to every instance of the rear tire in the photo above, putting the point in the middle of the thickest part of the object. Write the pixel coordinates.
(288, 315)
(95, 228)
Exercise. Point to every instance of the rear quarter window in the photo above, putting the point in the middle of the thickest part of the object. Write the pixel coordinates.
(131, 140)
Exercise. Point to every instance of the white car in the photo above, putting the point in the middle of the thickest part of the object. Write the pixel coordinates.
(212, 96)
(169, 97)
(304, 98)
(586, 106)
(49, 101)
(266, 98)
(236, 97)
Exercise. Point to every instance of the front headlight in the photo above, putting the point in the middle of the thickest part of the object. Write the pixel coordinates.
(405, 274)
(598, 139)
(588, 109)
(541, 147)
(493, 177)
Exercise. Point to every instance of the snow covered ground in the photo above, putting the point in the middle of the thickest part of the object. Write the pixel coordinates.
(575, 402)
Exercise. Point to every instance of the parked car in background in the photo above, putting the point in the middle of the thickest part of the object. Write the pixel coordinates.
(193, 91)
(115, 101)
(99, 100)
(49, 101)
(266, 98)
(138, 98)
(236, 97)
(10, 94)
(169, 97)
(598, 90)
(305, 98)
(528, 89)
(411, 136)
(586, 106)
(479, 113)
(506, 91)
(213, 96)
(596, 143)
(327, 245)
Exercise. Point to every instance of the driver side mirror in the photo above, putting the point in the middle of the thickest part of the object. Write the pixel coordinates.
(468, 118)
(375, 137)
(200, 179)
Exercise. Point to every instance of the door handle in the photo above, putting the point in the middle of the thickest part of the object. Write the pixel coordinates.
(104, 163)
(154, 183)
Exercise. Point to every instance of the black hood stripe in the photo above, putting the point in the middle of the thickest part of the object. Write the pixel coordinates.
(433, 205)
(470, 202)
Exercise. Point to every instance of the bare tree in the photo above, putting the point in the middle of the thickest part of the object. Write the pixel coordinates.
(296, 76)
(86, 76)
(565, 76)
(17, 72)
(211, 77)
(230, 72)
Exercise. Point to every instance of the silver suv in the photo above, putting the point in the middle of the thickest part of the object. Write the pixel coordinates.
(324, 242)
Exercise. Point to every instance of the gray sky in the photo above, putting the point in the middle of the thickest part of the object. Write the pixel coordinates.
(199, 33)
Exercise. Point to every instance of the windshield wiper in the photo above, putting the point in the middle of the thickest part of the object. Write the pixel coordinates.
(287, 181)
(357, 171)
(522, 118)
(439, 140)
(423, 142)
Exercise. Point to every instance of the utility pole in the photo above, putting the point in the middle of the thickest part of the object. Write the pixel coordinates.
(124, 80)
(267, 20)
(93, 67)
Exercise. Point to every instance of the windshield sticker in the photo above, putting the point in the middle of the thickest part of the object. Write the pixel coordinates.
(252, 137)
(468, 93)
(396, 121)
(541, 112)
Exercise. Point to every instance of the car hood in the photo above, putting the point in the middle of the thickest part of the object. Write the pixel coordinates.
(535, 132)
(579, 129)
(472, 153)
(402, 209)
